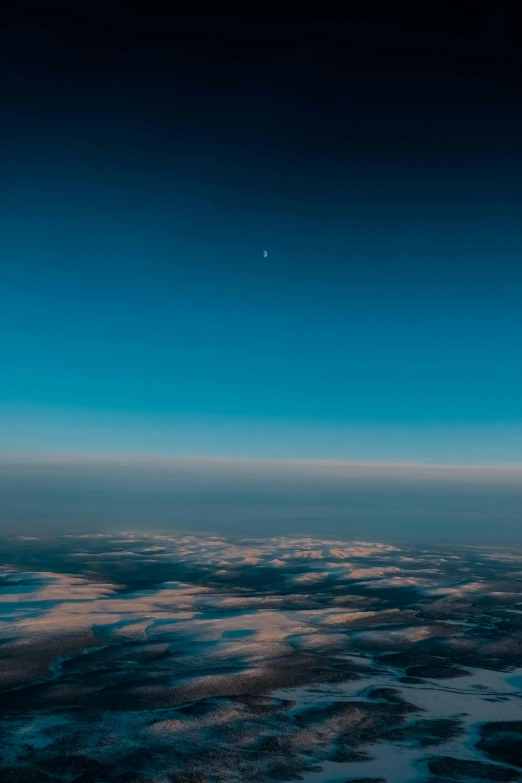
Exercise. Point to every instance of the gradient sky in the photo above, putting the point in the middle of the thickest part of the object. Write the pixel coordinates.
(147, 161)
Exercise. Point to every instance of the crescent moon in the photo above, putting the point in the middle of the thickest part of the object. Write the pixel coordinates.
(265, 254)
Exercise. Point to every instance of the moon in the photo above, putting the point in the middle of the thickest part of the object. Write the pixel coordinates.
(265, 254)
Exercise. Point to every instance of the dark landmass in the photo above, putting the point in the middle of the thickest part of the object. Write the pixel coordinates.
(178, 659)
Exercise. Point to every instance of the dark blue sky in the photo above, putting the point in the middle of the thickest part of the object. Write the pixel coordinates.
(147, 161)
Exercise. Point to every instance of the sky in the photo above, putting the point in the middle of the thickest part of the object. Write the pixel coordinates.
(148, 160)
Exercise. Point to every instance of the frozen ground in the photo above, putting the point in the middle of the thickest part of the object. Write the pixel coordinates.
(183, 659)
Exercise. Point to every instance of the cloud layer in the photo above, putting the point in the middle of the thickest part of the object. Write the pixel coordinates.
(385, 501)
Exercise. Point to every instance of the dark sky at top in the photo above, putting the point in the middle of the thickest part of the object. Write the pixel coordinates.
(424, 91)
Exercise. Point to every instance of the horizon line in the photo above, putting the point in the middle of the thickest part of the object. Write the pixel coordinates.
(117, 457)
